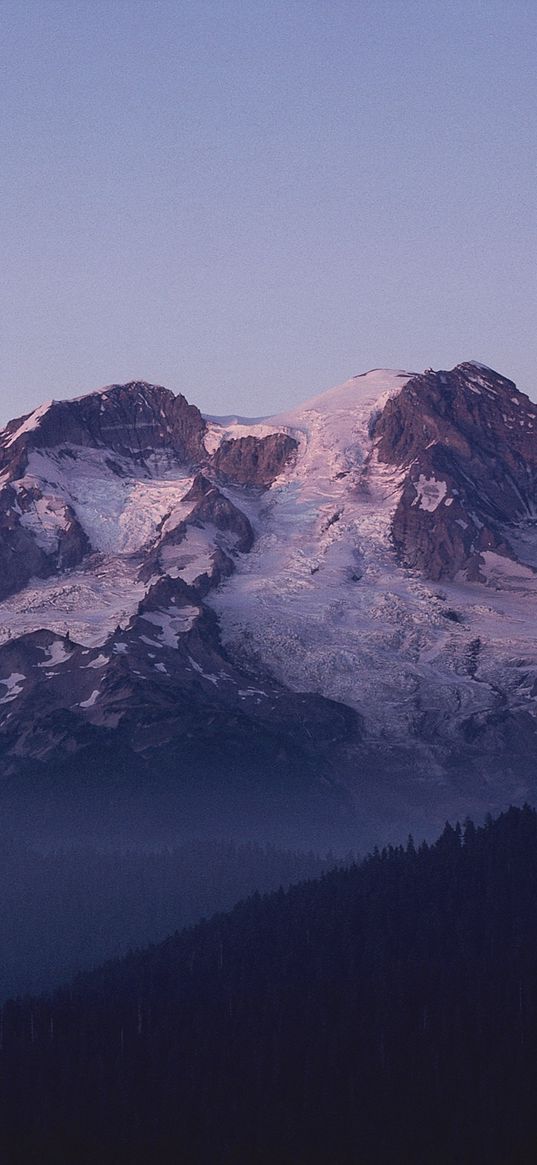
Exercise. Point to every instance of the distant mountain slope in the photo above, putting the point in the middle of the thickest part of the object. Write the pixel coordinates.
(387, 1013)
(335, 605)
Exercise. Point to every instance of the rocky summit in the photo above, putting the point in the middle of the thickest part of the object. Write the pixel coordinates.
(320, 622)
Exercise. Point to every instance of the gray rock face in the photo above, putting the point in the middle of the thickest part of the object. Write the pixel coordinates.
(22, 556)
(134, 420)
(211, 506)
(254, 461)
(466, 440)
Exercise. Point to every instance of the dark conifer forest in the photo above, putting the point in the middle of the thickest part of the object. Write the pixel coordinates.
(63, 911)
(385, 1013)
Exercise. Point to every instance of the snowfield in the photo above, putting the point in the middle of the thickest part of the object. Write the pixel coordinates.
(120, 513)
(89, 603)
(321, 603)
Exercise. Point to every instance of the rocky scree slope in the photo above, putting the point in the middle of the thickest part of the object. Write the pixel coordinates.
(333, 607)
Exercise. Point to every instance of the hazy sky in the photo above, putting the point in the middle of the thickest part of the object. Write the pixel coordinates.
(251, 200)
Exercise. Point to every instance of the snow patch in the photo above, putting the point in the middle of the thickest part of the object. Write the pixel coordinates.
(206, 675)
(100, 661)
(221, 429)
(30, 424)
(89, 602)
(171, 623)
(430, 493)
(192, 557)
(56, 654)
(91, 700)
(13, 685)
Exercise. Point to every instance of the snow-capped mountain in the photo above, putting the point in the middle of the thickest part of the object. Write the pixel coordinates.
(333, 607)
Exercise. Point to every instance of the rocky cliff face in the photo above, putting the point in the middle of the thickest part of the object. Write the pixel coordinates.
(335, 607)
(466, 441)
(135, 420)
(254, 461)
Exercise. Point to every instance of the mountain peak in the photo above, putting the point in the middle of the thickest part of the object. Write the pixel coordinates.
(480, 367)
(133, 419)
(131, 387)
(375, 545)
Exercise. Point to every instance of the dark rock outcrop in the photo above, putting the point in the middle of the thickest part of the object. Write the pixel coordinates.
(255, 461)
(210, 507)
(24, 552)
(466, 440)
(133, 420)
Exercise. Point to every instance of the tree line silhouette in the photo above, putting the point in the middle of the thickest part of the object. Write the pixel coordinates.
(63, 910)
(384, 1013)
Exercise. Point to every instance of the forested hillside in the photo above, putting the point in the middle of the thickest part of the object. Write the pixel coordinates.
(63, 911)
(386, 1013)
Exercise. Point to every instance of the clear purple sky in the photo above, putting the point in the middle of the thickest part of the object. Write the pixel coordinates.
(250, 200)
